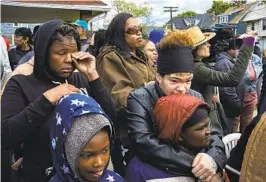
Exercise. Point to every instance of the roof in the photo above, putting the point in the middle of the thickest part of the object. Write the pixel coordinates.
(231, 10)
(258, 12)
(88, 2)
(96, 5)
(201, 20)
(242, 13)
(32, 11)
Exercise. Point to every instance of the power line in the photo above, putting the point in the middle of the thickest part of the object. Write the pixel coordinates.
(171, 9)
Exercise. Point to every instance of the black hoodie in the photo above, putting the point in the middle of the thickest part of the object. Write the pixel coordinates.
(26, 113)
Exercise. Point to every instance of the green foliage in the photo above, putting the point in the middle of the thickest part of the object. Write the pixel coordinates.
(142, 10)
(187, 14)
(219, 7)
(144, 31)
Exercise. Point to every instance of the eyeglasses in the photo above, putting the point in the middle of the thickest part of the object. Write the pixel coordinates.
(133, 30)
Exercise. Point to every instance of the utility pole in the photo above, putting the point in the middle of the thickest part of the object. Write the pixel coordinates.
(171, 9)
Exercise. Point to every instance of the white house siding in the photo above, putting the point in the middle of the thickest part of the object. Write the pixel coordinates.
(257, 15)
(261, 38)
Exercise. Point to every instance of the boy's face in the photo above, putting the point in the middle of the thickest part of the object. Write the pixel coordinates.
(197, 136)
(94, 157)
(175, 83)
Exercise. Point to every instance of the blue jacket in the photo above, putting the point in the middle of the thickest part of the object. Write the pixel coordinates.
(230, 97)
(250, 85)
(140, 171)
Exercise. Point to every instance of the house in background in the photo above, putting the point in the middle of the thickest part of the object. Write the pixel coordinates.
(8, 29)
(234, 16)
(256, 20)
(201, 20)
(16, 12)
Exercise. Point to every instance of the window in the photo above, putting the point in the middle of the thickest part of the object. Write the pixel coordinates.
(226, 19)
(16, 24)
(193, 22)
(252, 26)
(24, 25)
(223, 19)
(264, 24)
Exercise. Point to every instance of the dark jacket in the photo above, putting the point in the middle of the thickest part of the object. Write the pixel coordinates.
(15, 56)
(145, 142)
(205, 79)
(230, 97)
(26, 113)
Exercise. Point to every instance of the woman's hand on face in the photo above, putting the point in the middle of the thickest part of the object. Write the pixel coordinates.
(202, 167)
(85, 64)
(54, 94)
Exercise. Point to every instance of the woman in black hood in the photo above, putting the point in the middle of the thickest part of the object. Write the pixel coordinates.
(28, 101)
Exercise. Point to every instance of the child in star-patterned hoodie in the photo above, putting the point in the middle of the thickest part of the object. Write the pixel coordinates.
(81, 138)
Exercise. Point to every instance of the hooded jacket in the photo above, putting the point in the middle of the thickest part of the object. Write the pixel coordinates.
(26, 113)
(64, 133)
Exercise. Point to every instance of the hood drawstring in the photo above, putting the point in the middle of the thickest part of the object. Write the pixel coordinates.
(59, 83)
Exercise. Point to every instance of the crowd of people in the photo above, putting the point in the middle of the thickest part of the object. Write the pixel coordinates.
(114, 107)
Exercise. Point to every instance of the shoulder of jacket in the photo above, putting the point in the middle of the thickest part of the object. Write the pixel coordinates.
(143, 92)
(195, 94)
(24, 69)
(18, 78)
(12, 49)
(198, 63)
(198, 66)
(110, 53)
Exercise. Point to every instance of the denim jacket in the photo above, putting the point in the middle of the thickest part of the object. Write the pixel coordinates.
(250, 85)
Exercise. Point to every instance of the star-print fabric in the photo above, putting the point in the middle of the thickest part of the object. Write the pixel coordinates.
(68, 107)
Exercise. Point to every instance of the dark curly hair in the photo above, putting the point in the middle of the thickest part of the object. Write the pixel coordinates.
(25, 33)
(65, 30)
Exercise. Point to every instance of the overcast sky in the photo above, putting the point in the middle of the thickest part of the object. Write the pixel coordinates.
(160, 18)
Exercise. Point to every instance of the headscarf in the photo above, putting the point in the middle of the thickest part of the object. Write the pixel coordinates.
(67, 108)
(173, 112)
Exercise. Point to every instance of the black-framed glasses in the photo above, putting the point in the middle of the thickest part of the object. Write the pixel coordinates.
(133, 30)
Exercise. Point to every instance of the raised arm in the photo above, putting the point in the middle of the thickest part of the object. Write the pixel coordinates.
(205, 75)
